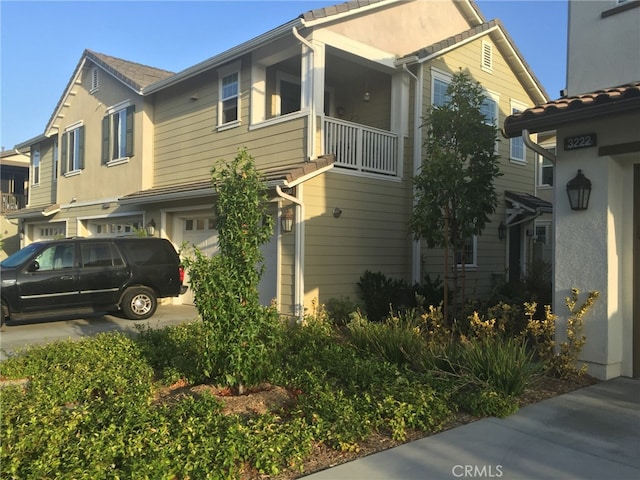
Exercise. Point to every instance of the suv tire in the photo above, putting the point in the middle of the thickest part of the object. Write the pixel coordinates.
(139, 303)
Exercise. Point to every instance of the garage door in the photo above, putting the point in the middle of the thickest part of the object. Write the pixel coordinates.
(201, 232)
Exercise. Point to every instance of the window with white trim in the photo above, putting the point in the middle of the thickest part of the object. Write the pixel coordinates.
(487, 56)
(439, 85)
(35, 165)
(545, 172)
(117, 133)
(469, 253)
(229, 94)
(517, 150)
(73, 149)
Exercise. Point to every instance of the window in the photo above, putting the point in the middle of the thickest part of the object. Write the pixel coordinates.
(229, 104)
(489, 109)
(545, 175)
(288, 91)
(117, 133)
(468, 253)
(73, 149)
(55, 159)
(517, 152)
(95, 85)
(100, 255)
(35, 165)
(542, 234)
(56, 257)
(487, 57)
(440, 95)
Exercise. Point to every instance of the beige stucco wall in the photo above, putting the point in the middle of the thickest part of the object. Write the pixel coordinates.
(404, 27)
(594, 248)
(602, 52)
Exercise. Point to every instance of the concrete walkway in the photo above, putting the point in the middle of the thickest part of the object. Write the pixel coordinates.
(591, 433)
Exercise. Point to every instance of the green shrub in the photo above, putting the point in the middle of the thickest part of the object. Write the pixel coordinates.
(340, 310)
(504, 364)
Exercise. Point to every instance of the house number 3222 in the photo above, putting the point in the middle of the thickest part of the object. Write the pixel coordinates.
(580, 141)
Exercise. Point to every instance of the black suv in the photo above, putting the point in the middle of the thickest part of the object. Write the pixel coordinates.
(98, 274)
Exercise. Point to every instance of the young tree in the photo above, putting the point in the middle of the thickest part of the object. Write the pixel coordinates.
(454, 189)
(240, 330)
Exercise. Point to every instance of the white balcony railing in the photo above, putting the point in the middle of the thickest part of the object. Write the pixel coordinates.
(361, 148)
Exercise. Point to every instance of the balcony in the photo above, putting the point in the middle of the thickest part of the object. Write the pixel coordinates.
(12, 202)
(361, 148)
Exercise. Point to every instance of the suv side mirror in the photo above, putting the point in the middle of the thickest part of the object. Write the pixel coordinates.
(33, 266)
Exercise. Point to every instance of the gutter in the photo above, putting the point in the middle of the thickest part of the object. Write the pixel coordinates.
(416, 272)
(298, 295)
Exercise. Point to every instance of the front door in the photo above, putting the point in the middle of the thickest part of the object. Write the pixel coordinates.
(515, 253)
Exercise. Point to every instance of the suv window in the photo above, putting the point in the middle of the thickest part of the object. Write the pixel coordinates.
(100, 255)
(142, 253)
(56, 257)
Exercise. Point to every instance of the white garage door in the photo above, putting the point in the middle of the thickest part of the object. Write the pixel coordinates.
(201, 232)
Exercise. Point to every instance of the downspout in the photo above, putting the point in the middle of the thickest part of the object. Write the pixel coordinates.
(298, 292)
(311, 140)
(416, 267)
(537, 148)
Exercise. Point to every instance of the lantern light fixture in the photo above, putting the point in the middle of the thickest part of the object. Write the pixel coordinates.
(579, 191)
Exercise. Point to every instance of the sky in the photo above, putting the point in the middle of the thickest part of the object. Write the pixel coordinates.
(41, 42)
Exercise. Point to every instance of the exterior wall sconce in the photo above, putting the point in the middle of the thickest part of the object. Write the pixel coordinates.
(502, 231)
(286, 220)
(151, 228)
(579, 191)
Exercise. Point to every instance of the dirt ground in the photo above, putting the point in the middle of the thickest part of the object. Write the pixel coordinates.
(270, 397)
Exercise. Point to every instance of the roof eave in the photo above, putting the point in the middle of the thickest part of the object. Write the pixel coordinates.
(551, 121)
(224, 57)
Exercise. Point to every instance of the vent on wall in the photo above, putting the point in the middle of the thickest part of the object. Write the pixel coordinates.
(95, 84)
(487, 57)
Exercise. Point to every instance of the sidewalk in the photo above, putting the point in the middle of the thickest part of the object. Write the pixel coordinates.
(591, 433)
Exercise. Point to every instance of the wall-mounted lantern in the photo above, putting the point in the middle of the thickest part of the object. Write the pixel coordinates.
(151, 228)
(286, 219)
(579, 191)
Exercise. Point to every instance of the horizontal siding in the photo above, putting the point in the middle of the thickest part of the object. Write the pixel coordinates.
(516, 177)
(187, 143)
(371, 234)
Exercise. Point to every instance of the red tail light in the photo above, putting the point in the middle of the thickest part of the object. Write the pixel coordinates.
(181, 268)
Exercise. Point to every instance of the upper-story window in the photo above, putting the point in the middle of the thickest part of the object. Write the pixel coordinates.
(117, 133)
(517, 151)
(229, 94)
(545, 174)
(440, 85)
(288, 92)
(73, 149)
(95, 80)
(35, 165)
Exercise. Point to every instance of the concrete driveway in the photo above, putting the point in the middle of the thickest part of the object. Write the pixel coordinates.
(41, 330)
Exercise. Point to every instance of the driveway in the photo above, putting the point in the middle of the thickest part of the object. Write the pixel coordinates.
(41, 330)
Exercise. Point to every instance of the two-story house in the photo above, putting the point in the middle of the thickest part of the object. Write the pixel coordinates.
(14, 175)
(330, 105)
(597, 242)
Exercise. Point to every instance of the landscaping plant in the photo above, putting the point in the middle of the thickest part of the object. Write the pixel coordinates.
(240, 333)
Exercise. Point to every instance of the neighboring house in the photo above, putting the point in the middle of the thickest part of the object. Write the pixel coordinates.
(598, 248)
(14, 178)
(330, 105)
